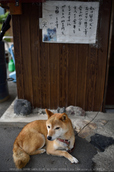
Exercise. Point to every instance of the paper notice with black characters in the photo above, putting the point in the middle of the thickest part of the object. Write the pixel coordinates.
(69, 21)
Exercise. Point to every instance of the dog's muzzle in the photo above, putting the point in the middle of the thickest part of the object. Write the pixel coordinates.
(49, 137)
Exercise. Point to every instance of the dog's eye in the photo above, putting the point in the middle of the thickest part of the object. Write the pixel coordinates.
(48, 126)
(57, 128)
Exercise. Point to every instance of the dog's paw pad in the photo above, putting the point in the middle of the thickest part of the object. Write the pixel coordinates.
(74, 160)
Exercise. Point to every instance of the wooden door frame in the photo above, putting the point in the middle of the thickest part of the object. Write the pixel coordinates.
(108, 56)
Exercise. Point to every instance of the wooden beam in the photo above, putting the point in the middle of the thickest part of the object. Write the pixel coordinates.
(15, 10)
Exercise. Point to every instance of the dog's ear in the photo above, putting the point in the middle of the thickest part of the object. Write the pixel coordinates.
(63, 117)
(49, 113)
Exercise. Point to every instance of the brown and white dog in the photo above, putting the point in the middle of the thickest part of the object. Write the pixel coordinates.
(55, 136)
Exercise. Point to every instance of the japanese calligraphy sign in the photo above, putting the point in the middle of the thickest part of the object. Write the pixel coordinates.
(69, 21)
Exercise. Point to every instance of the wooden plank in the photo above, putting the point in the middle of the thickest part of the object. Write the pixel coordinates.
(35, 53)
(72, 73)
(44, 71)
(54, 77)
(103, 34)
(82, 74)
(18, 55)
(63, 77)
(44, 87)
(15, 10)
(26, 53)
(108, 60)
(91, 77)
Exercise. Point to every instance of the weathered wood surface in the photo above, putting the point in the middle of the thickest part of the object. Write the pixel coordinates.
(52, 75)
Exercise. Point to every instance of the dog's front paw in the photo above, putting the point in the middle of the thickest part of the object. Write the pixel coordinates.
(43, 150)
(74, 160)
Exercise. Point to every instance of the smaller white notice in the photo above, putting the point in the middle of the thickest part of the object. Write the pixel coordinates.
(69, 21)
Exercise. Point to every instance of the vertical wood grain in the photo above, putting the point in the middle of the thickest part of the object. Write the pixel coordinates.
(44, 70)
(18, 55)
(35, 39)
(54, 77)
(51, 75)
(91, 77)
(72, 74)
(26, 53)
(63, 77)
(102, 57)
(82, 74)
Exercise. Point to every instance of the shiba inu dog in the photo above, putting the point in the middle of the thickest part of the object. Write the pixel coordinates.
(55, 136)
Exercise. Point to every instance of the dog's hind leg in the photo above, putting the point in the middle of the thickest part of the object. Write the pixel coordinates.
(38, 145)
(39, 151)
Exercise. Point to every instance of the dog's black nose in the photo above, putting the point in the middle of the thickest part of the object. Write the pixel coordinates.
(49, 137)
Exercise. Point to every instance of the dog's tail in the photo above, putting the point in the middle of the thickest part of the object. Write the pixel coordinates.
(20, 157)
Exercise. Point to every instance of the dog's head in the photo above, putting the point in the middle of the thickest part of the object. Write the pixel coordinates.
(57, 125)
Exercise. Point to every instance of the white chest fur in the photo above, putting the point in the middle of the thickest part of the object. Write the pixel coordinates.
(60, 145)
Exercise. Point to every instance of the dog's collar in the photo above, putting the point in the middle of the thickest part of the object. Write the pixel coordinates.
(67, 142)
(64, 141)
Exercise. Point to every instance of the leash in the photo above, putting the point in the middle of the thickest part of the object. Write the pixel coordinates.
(86, 126)
(67, 142)
(91, 120)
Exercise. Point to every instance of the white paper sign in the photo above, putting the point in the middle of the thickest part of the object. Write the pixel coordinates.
(69, 21)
